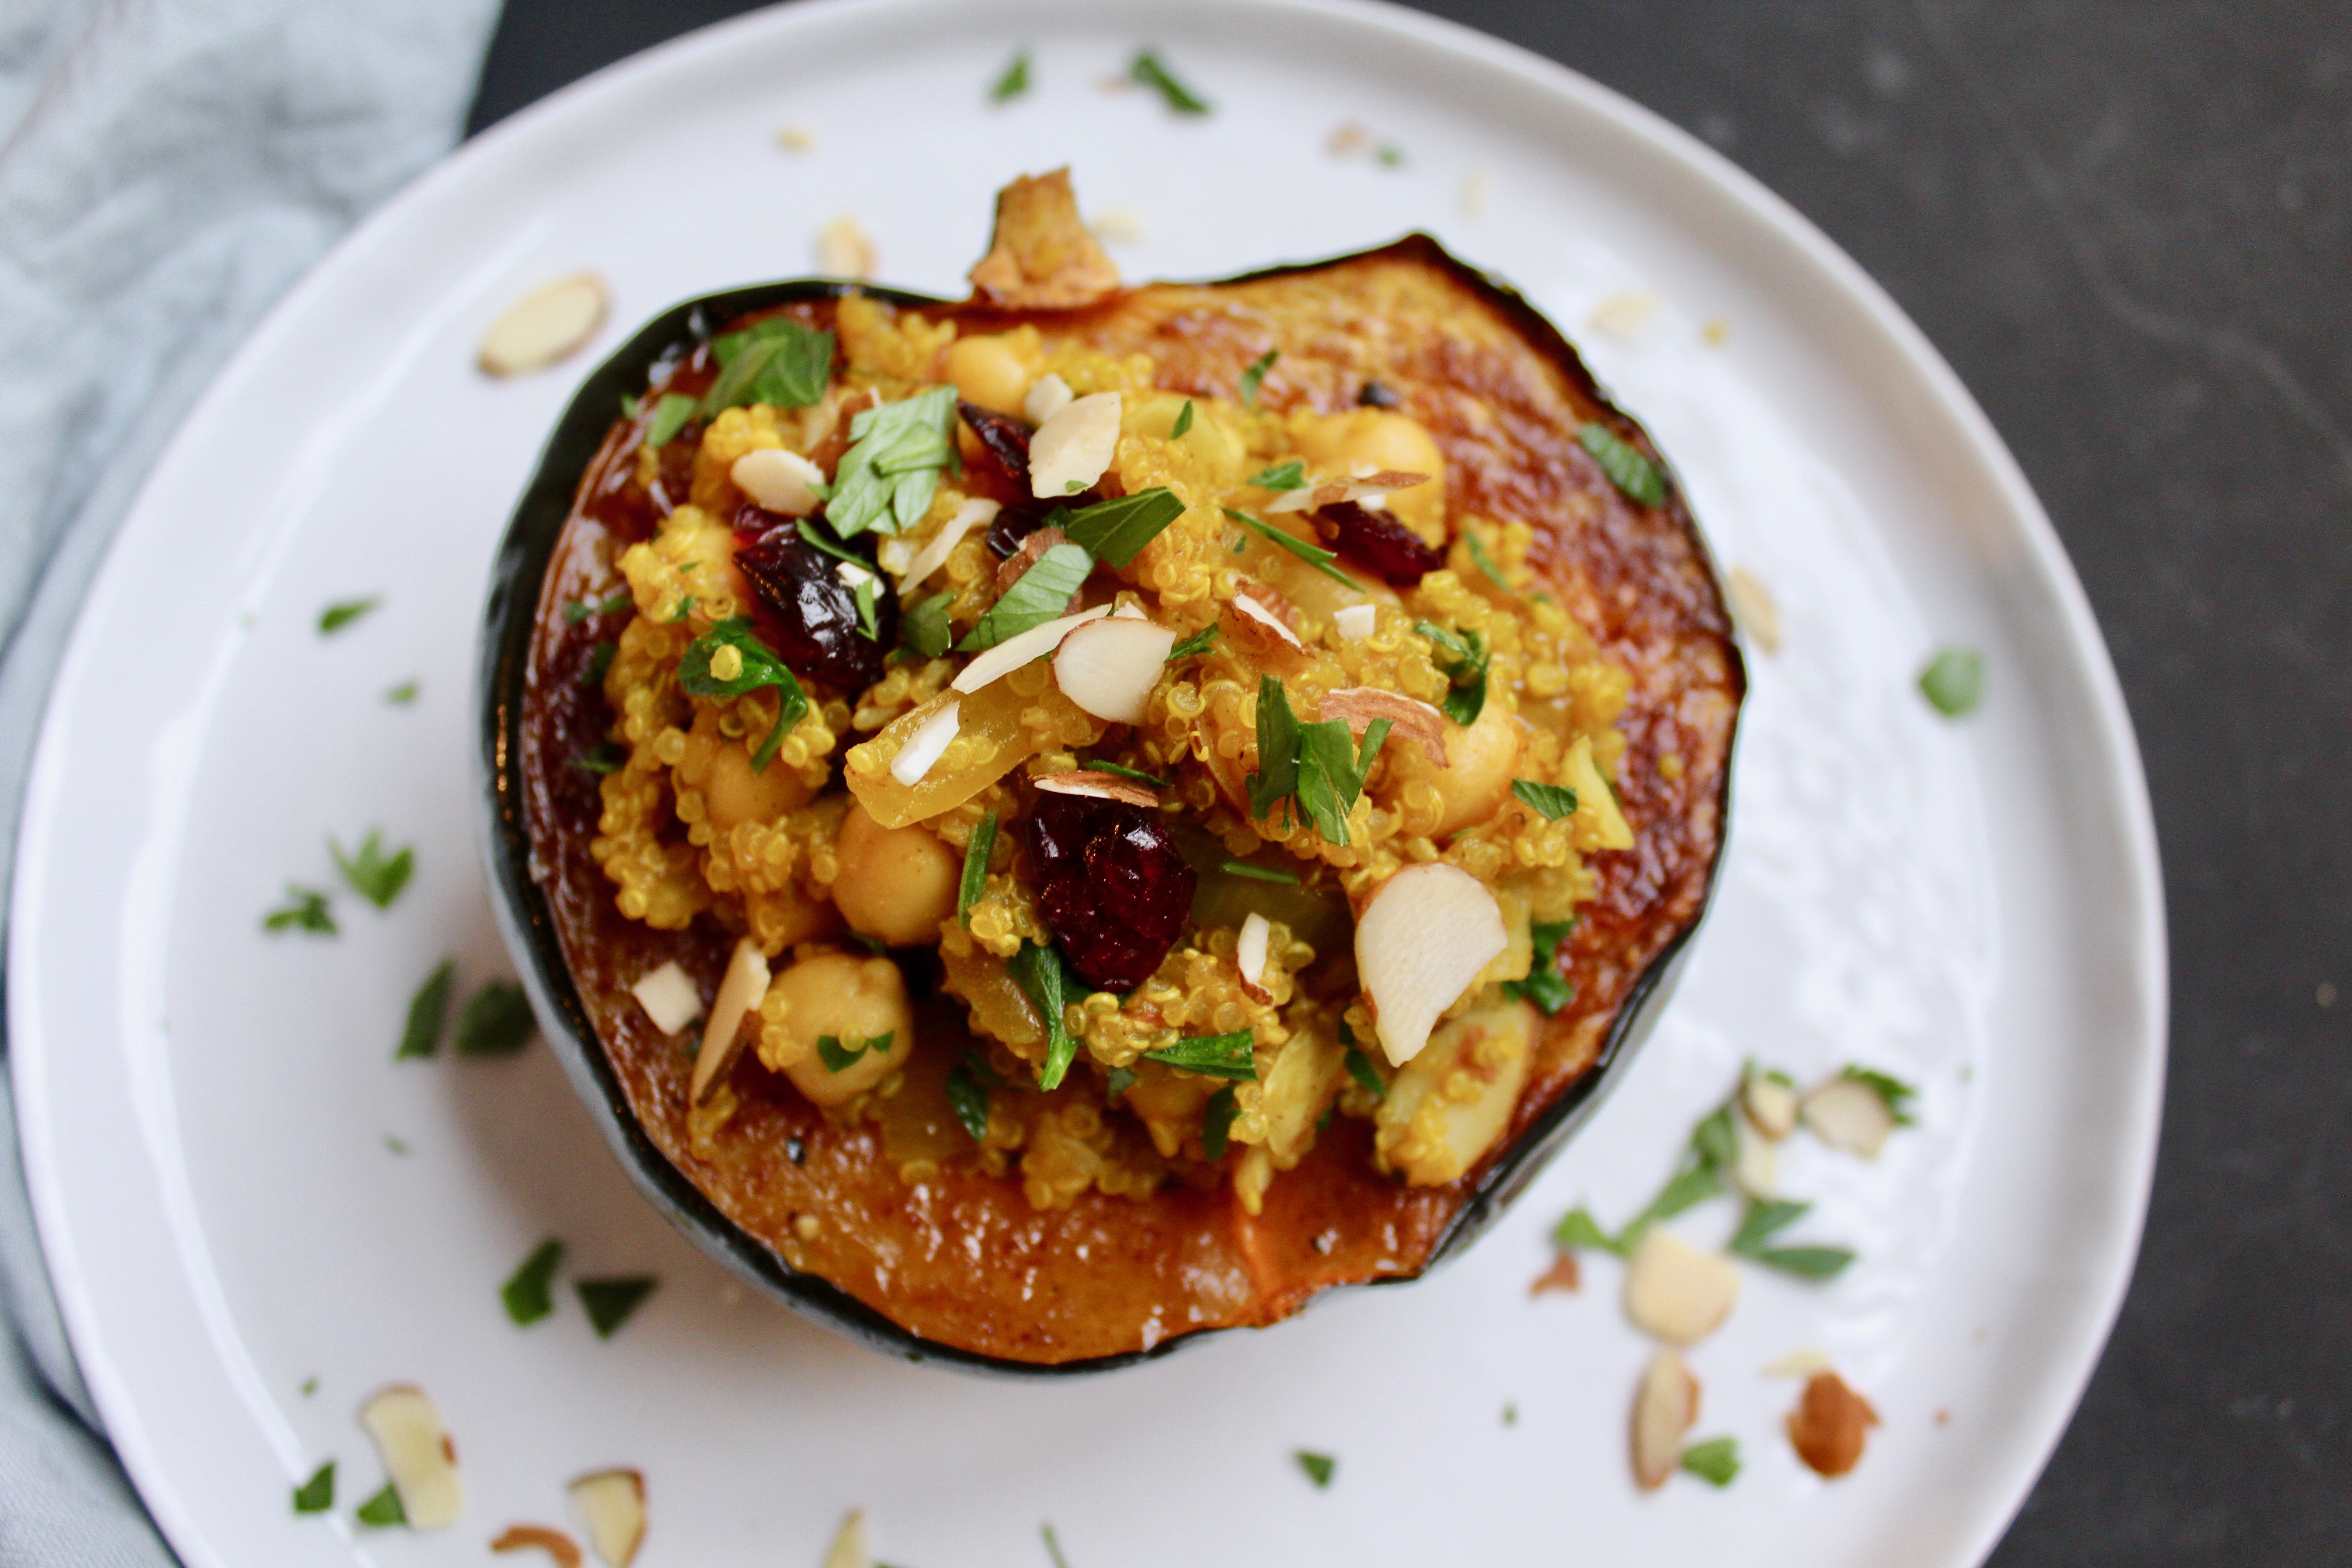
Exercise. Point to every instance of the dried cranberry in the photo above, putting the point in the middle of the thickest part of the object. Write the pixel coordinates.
(1013, 525)
(1115, 891)
(810, 613)
(1006, 438)
(1377, 394)
(1396, 554)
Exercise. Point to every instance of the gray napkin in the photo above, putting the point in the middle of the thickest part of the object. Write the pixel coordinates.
(171, 168)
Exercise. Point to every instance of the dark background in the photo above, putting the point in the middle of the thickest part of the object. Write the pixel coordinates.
(2128, 226)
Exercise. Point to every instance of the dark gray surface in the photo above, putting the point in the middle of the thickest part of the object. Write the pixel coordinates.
(2128, 226)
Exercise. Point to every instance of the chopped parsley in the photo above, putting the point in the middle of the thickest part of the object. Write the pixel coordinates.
(1463, 656)
(1544, 986)
(396, 1145)
(383, 1511)
(316, 1495)
(336, 616)
(818, 540)
(777, 362)
(1315, 556)
(609, 1303)
(1041, 593)
(1255, 376)
(1389, 155)
(1484, 562)
(305, 910)
(670, 416)
(374, 876)
(496, 1021)
(1289, 476)
(925, 628)
(976, 851)
(1053, 1546)
(1183, 422)
(601, 758)
(428, 1013)
(839, 1054)
(864, 594)
(600, 659)
(1146, 68)
(1258, 873)
(1714, 1461)
(1953, 683)
(1318, 1467)
(887, 479)
(1634, 474)
(1217, 1121)
(1767, 1218)
(529, 1292)
(631, 405)
(1114, 532)
(580, 610)
(1013, 83)
(1893, 1090)
(1197, 643)
(1555, 801)
(1117, 1081)
(1121, 770)
(401, 695)
(1319, 766)
(755, 666)
(1047, 976)
(1366, 1076)
(969, 1084)
(1212, 1056)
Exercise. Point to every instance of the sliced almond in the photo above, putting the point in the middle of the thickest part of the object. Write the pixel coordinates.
(541, 1537)
(849, 1549)
(1047, 396)
(739, 990)
(1357, 622)
(670, 997)
(974, 513)
(844, 249)
(1799, 1364)
(1041, 257)
(1623, 315)
(1755, 1165)
(1249, 955)
(1009, 570)
(1358, 706)
(1372, 490)
(1753, 607)
(1255, 612)
(1070, 450)
(1770, 1104)
(925, 745)
(1109, 668)
(1846, 1113)
(779, 480)
(994, 664)
(1098, 786)
(549, 324)
(1664, 1407)
(417, 1455)
(1423, 940)
(612, 1504)
(1829, 1423)
(1676, 1293)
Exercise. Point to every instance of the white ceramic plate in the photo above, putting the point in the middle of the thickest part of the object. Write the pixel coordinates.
(1973, 907)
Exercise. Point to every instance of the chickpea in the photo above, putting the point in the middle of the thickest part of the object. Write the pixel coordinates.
(896, 884)
(1479, 762)
(1383, 440)
(730, 791)
(855, 1002)
(991, 371)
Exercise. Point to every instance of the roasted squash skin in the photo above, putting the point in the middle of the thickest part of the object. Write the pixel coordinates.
(885, 1227)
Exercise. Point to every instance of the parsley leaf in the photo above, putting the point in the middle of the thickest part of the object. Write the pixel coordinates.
(1217, 1121)
(838, 1054)
(1318, 1467)
(756, 665)
(1183, 422)
(1366, 1076)
(976, 851)
(401, 695)
(1197, 643)
(1484, 562)
(604, 757)
(1578, 1230)
(1121, 771)
(1277, 749)
(1117, 1081)
(609, 1303)
(580, 610)
(1555, 801)
(1147, 69)
(1041, 593)
(1212, 1056)
(1319, 766)
(1893, 1090)
(1953, 683)
(336, 616)
(925, 628)
(818, 540)
(1764, 1219)
(1633, 473)
(1257, 873)
(1114, 532)
(429, 1014)
(670, 416)
(316, 1495)
(887, 479)
(496, 1021)
(1714, 1461)
(1053, 1546)
(374, 876)
(1051, 985)
(1013, 83)
(1289, 476)
(1544, 985)
(528, 1292)
(1255, 376)
(776, 361)
(383, 1510)
(968, 1082)
(1822, 1263)
(1315, 556)
(305, 911)
(1464, 658)
(600, 659)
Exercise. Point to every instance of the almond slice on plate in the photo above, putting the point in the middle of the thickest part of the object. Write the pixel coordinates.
(779, 480)
(1676, 1293)
(1256, 613)
(545, 1538)
(668, 996)
(1070, 451)
(976, 512)
(739, 990)
(1098, 786)
(1846, 1113)
(1753, 607)
(928, 743)
(844, 249)
(417, 1455)
(1109, 668)
(1358, 706)
(1249, 955)
(1017, 650)
(1829, 1423)
(1755, 1164)
(849, 1549)
(1770, 1104)
(612, 1502)
(1664, 1407)
(1355, 623)
(549, 324)
(1425, 935)
(1369, 490)
(1047, 397)
(1799, 1364)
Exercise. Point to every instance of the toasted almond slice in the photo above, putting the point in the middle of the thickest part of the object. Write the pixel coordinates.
(546, 1537)
(928, 743)
(1563, 1275)
(844, 249)
(1009, 570)
(1755, 1166)
(974, 513)
(1799, 1364)
(1423, 939)
(1041, 257)
(1770, 1104)
(417, 1455)
(549, 324)
(1415, 721)
(1846, 1113)
(739, 990)
(1753, 607)
(1098, 786)
(1255, 612)
(1676, 1293)
(849, 1549)
(1622, 315)
(1249, 955)
(992, 664)
(1372, 490)
(1357, 622)
(612, 1502)
(668, 996)
(1664, 1409)
(1070, 451)
(1109, 668)
(1047, 396)
(779, 480)
(1829, 1423)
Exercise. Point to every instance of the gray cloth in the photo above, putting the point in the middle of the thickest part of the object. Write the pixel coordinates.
(171, 168)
